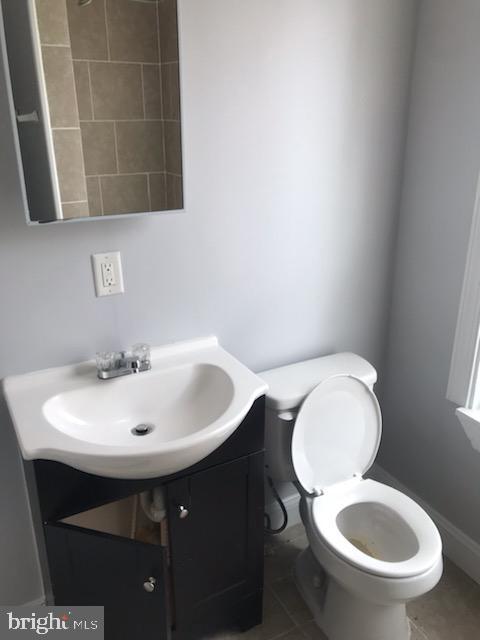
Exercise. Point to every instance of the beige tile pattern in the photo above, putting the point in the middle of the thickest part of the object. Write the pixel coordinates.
(140, 147)
(158, 191)
(173, 147)
(171, 91)
(450, 612)
(152, 92)
(52, 22)
(63, 107)
(60, 82)
(132, 90)
(75, 210)
(88, 31)
(82, 85)
(124, 194)
(117, 82)
(116, 91)
(168, 29)
(99, 147)
(68, 154)
(174, 187)
(94, 196)
(125, 21)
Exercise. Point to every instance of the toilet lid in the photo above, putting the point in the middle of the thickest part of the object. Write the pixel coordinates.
(336, 434)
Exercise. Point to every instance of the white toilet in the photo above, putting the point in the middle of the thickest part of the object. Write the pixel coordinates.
(371, 547)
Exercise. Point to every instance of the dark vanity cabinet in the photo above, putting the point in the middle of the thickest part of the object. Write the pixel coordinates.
(218, 556)
(93, 568)
(207, 577)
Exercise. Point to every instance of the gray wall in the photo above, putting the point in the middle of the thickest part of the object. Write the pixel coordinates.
(442, 164)
(294, 117)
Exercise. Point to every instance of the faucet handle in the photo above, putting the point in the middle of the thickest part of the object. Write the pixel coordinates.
(106, 360)
(141, 353)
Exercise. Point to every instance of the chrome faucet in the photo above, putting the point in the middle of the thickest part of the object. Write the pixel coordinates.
(113, 364)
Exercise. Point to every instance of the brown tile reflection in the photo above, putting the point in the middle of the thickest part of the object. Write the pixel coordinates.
(88, 33)
(113, 82)
(167, 27)
(126, 20)
(99, 147)
(116, 90)
(52, 21)
(124, 194)
(158, 191)
(174, 186)
(173, 147)
(60, 82)
(171, 91)
(152, 92)
(140, 146)
(75, 210)
(69, 161)
(94, 196)
(82, 84)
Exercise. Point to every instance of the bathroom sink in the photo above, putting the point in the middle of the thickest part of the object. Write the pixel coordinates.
(150, 424)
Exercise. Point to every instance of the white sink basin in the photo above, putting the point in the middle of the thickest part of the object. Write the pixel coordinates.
(191, 401)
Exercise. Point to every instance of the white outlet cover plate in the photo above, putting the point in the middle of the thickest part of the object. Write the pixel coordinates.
(114, 259)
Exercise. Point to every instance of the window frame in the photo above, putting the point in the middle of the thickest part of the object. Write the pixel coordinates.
(464, 380)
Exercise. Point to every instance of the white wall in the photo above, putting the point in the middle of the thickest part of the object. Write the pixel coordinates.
(294, 124)
(423, 444)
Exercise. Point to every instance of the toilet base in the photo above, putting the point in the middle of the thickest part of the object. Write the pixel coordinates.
(340, 614)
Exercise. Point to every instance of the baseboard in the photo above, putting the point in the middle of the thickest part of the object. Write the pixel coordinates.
(291, 505)
(458, 547)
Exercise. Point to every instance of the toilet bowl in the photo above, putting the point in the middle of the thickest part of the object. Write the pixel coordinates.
(379, 549)
(371, 548)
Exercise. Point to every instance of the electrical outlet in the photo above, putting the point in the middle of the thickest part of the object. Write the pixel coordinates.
(108, 275)
(107, 272)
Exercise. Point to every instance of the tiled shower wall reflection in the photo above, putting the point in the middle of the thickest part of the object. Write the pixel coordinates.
(111, 69)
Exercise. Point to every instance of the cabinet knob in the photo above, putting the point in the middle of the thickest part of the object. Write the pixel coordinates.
(149, 585)
(182, 512)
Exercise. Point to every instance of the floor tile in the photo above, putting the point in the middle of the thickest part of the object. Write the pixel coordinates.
(417, 634)
(295, 634)
(451, 611)
(288, 594)
(296, 531)
(313, 632)
(276, 621)
(280, 557)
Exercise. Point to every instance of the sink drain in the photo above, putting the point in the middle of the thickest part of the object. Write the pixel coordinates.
(142, 429)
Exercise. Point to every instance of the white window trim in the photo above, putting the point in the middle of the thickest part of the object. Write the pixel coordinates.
(464, 380)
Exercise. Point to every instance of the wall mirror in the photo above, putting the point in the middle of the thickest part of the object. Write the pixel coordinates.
(97, 103)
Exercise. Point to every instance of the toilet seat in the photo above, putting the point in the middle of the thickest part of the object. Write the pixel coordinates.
(370, 526)
(336, 434)
(407, 535)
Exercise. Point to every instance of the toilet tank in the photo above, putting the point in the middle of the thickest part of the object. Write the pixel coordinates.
(288, 388)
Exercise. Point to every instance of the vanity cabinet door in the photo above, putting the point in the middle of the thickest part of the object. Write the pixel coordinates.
(93, 568)
(216, 541)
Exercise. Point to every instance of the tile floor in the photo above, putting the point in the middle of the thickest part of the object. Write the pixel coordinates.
(450, 612)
